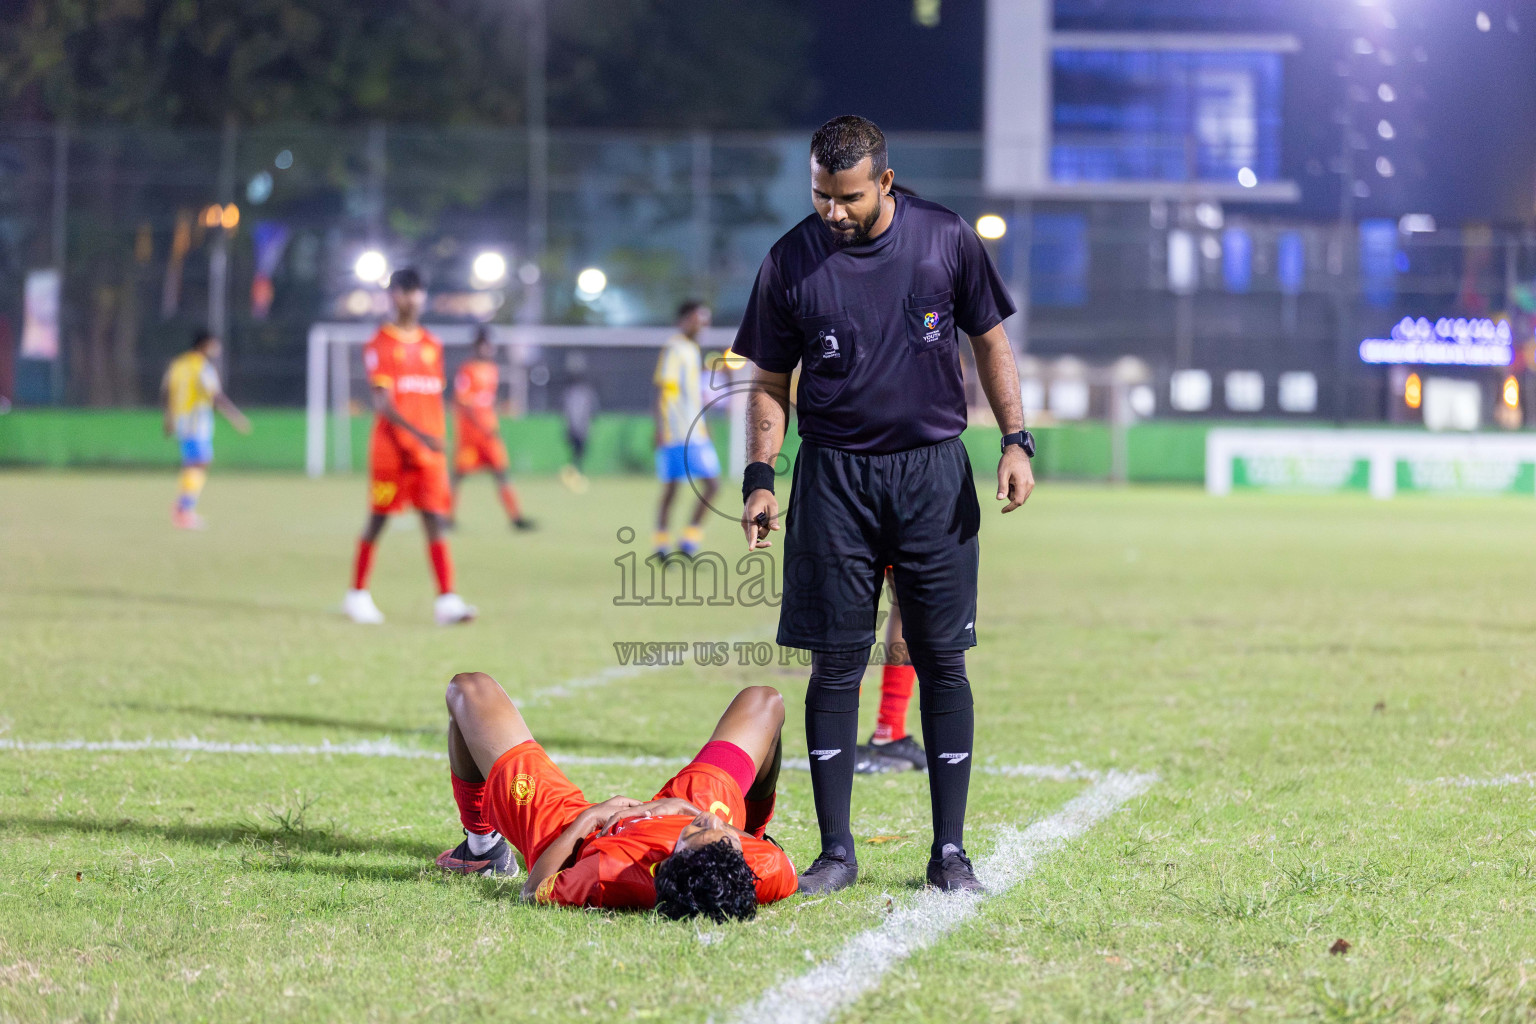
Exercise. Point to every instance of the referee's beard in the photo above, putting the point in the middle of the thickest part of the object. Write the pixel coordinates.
(847, 233)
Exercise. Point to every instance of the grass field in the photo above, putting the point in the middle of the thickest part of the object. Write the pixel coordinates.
(1302, 676)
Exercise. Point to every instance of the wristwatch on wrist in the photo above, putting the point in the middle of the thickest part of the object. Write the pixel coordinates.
(1024, 439)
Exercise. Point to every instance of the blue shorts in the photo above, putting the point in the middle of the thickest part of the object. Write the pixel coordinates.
(695, 459)
(196, 451)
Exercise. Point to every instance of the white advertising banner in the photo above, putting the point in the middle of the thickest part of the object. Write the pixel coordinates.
(1380, 462)
(40, 315)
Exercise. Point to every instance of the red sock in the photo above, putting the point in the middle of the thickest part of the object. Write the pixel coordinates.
(895, 695)
(470, 796)
(509, 502)
(364, 565)
(442, 565)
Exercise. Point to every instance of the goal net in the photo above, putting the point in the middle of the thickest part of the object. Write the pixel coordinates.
(538, 365)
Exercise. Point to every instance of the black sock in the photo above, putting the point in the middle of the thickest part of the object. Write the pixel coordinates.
(949, 728)
(831, 733)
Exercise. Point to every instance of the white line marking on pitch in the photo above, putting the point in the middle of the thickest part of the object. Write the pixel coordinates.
(1073, 772)
(602, 677)
(821, 993)
(387, 747)
(1470, 782)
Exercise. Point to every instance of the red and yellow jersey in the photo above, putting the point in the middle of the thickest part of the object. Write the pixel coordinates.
(619, 869)
(408, 363)
(474, 393)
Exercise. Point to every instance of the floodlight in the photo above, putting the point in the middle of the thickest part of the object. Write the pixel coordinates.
(488, 268)
(590, 283)
(991, 226)
(371, 266)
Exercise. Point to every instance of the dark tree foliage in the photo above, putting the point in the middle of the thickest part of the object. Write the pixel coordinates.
(613, 63)
(718, 64)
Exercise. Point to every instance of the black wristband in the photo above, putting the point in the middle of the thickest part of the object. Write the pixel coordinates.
(758, 477)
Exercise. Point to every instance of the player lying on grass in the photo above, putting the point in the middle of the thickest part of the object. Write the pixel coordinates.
(696, 848)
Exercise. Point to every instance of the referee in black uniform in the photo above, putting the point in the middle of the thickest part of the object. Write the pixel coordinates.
(868, 295)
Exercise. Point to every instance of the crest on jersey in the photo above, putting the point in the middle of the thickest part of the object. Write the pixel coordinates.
(522, 790)
(930, 321)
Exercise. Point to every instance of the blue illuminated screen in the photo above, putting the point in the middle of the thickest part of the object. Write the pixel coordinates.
(1125, 115)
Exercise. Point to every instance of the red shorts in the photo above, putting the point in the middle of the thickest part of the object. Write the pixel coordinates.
(477, 452)
(715, 781)
(399, 479)
(529, 799)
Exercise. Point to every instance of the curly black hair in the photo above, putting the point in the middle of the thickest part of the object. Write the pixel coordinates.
(712, 880)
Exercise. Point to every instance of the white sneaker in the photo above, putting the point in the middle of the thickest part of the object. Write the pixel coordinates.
(359, 607)
(450, 608)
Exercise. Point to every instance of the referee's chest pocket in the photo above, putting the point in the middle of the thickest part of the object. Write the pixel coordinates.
(931, 321)
(828, 344)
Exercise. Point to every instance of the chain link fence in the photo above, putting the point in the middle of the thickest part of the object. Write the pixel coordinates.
(258, 233)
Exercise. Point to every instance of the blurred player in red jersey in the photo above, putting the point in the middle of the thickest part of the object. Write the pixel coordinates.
(407, 466)
(698, 847)
(477, 443)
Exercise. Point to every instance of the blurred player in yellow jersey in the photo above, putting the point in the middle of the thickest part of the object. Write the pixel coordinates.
(192, 391)
(683, 448)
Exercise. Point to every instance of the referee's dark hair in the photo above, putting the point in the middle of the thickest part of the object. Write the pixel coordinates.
(844, 141)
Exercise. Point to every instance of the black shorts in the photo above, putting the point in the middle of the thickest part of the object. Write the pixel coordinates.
(850, 516)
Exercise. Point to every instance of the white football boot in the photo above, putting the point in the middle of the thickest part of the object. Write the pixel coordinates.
(449, 609)
(359, 607)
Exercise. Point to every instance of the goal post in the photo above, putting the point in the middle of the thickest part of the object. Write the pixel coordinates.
(622, 358)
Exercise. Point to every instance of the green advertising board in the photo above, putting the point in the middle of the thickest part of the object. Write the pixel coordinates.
(1445, 475)
(1302, 472)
